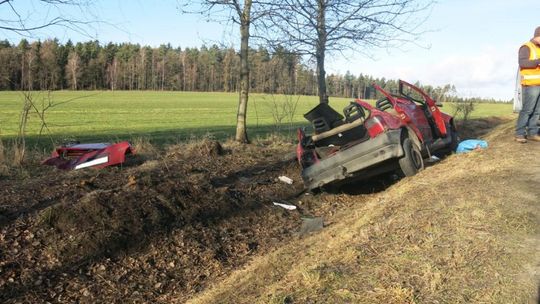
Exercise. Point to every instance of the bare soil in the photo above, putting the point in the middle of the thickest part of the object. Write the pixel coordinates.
(163, 228)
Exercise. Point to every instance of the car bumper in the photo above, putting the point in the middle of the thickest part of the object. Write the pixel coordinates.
(348, 162)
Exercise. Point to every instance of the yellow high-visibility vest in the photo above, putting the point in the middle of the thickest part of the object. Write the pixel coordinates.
(531, 77)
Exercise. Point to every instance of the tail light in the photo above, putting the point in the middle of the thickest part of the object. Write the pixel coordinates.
(375, 125)
(300, 134)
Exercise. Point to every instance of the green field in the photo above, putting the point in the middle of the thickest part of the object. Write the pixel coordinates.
(161, 116)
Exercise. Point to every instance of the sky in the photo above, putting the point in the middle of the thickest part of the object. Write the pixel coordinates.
(472, 44)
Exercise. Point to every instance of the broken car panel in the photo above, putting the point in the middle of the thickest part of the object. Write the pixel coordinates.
(98, 155)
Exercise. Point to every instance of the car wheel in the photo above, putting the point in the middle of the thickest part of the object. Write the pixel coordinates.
(412, 160)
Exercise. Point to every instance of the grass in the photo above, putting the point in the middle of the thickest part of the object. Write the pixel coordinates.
(161, 116)
(482, 110)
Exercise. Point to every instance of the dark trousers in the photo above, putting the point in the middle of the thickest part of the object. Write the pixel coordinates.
(527, 123)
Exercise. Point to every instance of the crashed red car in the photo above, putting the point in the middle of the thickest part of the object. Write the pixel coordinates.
(97, 155)
(394, 135)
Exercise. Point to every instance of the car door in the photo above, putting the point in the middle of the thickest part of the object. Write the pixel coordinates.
(418, 117)
(433, 114)
(404, 110)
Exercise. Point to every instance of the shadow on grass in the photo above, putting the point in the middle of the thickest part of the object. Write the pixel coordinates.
(159, 138)
(471, 128)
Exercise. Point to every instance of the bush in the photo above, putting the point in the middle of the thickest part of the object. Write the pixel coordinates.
(462, 110)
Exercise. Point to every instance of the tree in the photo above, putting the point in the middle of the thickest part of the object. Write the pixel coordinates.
(229, 70)
(34, 66)
(243, 13)
(27, 18)
(9, 63)
(318, 27)
(50, 71)
(73, 69)
(50, 65)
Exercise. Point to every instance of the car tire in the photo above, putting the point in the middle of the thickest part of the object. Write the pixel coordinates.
(412, 160)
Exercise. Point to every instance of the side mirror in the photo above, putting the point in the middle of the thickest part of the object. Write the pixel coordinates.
(438, 104)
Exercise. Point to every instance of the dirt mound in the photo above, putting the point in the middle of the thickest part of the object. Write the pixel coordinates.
(164, 229)
(201, 148)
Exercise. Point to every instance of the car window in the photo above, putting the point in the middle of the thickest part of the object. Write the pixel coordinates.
(412, 94)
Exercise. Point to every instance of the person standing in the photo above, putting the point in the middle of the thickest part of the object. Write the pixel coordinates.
(529, 71)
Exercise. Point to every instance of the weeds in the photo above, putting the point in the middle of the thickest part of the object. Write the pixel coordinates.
(48, 217)
(283, 110)
(274, 138)
(19, 145)
(19, 153)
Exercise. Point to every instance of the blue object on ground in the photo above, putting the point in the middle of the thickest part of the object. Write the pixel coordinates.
(470, 145)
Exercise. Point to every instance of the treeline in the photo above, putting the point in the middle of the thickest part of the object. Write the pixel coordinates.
(50, 65)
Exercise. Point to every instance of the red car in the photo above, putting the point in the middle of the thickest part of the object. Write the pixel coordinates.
(394, 135)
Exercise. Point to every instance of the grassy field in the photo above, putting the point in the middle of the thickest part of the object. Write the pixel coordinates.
(161, 116)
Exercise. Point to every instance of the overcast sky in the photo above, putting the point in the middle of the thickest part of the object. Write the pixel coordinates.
(470, 43)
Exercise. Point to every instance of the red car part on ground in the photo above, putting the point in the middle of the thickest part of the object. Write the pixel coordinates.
(98, 155)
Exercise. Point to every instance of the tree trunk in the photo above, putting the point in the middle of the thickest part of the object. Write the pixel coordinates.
(184, 71)
(241, 132)
(153, 71)
(163, 74)
(319, 53)
(23, 61)
(321, 77)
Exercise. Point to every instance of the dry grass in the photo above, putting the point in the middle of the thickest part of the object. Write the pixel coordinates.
(277, 138)
(463, 231)
(19, 155)
(143, 146)
(3, 162)
(19, 160)
(2, 155)
(205, 146)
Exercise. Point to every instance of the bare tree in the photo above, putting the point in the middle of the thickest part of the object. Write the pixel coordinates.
(243, 13)
(18, 18)
(319, 27)
(283, 108)
(73, 69)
